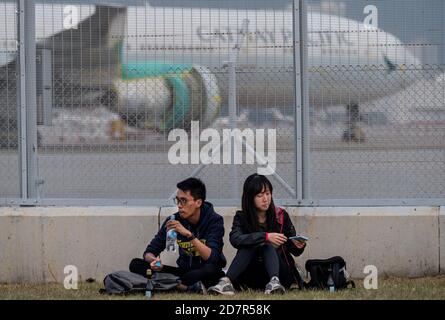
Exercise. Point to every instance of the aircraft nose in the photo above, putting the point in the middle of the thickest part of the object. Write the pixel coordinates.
(413, 67)
(400, 54)
(402, 58)
(406, 63)
(411, 61)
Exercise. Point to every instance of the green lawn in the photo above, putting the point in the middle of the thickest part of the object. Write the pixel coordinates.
(390, 288)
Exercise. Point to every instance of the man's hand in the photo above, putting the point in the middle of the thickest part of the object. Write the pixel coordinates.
(276, 239)
(156, 264)
(299, 244)
(178, 227)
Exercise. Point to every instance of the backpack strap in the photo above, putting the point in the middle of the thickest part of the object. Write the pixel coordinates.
(316, 273)
(336, 275)
(279, 213)
(280, 217)
(336, 267)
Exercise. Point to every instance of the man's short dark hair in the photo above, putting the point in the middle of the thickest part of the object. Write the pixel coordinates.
(196, 187)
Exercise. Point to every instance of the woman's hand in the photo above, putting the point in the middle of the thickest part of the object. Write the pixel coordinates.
(276, 239)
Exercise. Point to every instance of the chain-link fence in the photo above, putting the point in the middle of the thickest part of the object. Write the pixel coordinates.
(9, 170)
(385, 97)
(120, 85)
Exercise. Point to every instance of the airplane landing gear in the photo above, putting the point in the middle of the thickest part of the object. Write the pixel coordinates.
(353, 132)
(353, 135)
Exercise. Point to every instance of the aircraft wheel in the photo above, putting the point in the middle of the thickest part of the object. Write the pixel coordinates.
(354, 135)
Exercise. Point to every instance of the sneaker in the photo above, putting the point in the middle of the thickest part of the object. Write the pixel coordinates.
(197, 288)
(224, 287)
(274, 286)
(294, 286)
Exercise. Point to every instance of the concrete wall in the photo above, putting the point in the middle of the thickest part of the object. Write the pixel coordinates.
(37, 243)
(398, 241)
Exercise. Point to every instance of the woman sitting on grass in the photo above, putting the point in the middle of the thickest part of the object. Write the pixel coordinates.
(260, 232)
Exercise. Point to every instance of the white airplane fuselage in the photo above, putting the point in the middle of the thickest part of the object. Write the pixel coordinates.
(346, 60)
(348, 63)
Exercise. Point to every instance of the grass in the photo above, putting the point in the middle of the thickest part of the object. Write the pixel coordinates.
(388, 289)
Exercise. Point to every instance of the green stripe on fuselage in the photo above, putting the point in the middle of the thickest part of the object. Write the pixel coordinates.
(139, 70)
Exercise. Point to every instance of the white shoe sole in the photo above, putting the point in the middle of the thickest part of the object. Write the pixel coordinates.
(227, 293)
(276, 291)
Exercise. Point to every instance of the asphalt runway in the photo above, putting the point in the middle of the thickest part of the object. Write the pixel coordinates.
(395, 162)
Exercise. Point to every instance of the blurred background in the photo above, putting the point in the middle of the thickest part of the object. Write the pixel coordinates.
(113, 78)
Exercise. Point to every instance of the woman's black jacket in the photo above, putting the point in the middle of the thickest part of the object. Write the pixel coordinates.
(240, 236)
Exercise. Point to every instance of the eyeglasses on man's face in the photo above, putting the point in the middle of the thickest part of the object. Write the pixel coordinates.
(180, 201)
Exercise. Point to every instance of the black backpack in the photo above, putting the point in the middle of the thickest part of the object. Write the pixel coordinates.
(331, 270)
(125, 282)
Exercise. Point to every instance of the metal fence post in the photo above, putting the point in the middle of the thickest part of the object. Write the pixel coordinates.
(231, 66)
(301, 93)
(21, 101)
(305, 97)
(31, 97)
(28, 101)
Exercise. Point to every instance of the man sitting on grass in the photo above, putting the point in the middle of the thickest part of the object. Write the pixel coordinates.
(200, 233)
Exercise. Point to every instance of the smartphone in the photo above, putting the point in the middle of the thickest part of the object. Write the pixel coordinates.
(299, 237)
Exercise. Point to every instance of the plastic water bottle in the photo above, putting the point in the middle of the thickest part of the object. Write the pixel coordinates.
(171, 244)
(331, 284)
(149, 287)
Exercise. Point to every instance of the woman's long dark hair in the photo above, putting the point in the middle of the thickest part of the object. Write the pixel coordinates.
(254, 185)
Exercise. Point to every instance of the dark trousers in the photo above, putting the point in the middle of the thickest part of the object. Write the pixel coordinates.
(209, 274)
(253, 268)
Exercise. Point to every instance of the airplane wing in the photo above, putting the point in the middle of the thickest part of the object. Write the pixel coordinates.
(89, 55)
(84, 63)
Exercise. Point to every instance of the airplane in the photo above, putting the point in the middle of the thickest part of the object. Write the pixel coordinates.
(160, 66)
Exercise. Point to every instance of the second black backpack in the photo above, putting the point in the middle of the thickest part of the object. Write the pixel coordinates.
(328, 274)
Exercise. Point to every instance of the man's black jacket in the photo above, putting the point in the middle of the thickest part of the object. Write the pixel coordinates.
(209, 230)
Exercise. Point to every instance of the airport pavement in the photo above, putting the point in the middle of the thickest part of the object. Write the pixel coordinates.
(350, 172)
